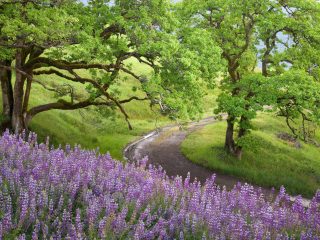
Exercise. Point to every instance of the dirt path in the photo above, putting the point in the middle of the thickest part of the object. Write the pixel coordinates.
(163, 148)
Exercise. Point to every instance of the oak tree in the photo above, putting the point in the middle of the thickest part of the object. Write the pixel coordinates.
(64, 37)
(280, 36)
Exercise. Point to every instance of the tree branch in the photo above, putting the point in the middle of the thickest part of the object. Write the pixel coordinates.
(65, 65)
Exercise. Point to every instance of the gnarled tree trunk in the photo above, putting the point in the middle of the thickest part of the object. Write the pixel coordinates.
(242, 132)
(7, 95)
(230, 145)
(229, 141)
(18, 92)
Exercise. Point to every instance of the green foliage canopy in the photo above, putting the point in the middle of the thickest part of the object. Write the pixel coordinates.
(63, 37)
(283, 36)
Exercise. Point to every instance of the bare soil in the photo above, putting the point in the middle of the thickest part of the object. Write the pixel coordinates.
(162, 147)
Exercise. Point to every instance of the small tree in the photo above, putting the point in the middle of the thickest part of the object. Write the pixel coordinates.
(298, 96)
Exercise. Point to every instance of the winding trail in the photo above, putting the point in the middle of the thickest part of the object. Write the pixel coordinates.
(163, 148)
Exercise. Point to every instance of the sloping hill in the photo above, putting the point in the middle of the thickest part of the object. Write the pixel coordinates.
(269, 162)
(92, 127)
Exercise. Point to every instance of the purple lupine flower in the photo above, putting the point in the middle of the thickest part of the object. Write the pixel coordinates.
(1, 230)
(181, 235)
(50, 207)
(139, 231)
(6, 222)
(101, 228)
(194, 224)
(60, 204)
(21, 237)
(78, 222)
(72, 232)
(32, 209)
(34, 235)
(44, 189)
(24, 203)
(45, 231)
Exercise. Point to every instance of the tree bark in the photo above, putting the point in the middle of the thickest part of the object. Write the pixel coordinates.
(238, 153)
(27, 93)
(242, 132)
(230, 145)
(17, 115)
(34, 53)
(7, 96)
(229, 141)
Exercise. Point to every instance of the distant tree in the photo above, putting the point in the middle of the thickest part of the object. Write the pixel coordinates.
(298, 101)
(59, 38)
(283, 36)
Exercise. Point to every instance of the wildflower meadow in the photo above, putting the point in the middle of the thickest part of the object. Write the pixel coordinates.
(71, 193)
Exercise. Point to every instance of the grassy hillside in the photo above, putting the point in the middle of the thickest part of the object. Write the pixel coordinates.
(91, 128)
(273, 162)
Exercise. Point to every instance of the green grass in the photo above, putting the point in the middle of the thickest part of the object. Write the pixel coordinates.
(272, 163)
(110, 135)
(91, 128)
